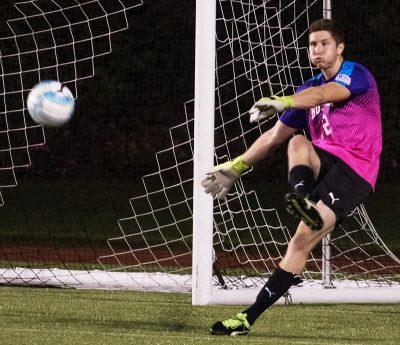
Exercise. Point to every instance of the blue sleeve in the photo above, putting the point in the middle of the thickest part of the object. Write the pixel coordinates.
(295, 118)
(353, 77)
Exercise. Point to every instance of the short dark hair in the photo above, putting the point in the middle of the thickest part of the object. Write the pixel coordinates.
(332, 26)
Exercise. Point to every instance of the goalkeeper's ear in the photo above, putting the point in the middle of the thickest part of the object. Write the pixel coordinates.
(340, 48)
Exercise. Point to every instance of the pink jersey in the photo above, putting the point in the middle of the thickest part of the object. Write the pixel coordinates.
(350, 130)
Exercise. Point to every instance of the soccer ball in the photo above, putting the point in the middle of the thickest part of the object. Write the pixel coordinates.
(50, 103)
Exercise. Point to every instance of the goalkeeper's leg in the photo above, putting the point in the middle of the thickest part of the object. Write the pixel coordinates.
(340, 191)
(307, 165)
(287, 274)
(304, 165)
(292, 264)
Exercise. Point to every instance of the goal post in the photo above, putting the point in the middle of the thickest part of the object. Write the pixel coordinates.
(254, 33)
(326, 248)
(203, 150)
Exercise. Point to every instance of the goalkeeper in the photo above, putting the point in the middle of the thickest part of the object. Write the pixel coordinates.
(329, 175)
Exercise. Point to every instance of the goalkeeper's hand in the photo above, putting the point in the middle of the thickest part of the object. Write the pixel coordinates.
(221, 178)
(268, 106)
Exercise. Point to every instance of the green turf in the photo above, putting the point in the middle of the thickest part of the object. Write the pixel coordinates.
(53, 316)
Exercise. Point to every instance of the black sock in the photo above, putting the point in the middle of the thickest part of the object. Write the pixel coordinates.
(279, 282)
(301, 179)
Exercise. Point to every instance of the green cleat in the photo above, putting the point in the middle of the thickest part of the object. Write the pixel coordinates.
(237, 325)
(303, 209)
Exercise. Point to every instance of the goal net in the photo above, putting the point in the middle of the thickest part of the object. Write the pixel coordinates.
(39, 40)
(261, 49)
(58, 40)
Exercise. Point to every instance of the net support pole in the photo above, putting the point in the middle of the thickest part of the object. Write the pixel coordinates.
(327, 9)
(326, 262)
(326, 241)
(203, 150)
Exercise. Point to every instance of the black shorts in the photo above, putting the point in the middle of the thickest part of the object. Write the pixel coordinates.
(339, 186)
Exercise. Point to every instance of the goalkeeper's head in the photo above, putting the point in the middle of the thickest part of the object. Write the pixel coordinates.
(326, 43)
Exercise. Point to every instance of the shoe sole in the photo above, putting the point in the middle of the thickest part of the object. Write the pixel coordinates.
(297, 207)
(233, 334)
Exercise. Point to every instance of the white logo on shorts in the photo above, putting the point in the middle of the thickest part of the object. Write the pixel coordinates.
(333, 198)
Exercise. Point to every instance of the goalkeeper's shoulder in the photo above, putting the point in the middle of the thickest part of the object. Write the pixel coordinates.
(313, 81)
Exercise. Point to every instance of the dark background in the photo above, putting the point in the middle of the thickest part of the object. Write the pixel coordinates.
(90, 168)
(124, 113)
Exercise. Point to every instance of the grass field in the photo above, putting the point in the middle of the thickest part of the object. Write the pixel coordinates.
(53, 316)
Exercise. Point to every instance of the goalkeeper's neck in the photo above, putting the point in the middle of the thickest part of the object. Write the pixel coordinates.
(330, 71)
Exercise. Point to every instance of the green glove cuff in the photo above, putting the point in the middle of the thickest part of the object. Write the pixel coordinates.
(239, 165)
(288, 100)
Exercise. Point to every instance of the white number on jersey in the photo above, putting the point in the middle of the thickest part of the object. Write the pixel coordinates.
(326, 126)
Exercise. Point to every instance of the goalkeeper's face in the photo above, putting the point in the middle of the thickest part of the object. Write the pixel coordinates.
(324, 51)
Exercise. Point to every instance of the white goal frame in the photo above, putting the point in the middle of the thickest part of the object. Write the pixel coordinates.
(203, 291)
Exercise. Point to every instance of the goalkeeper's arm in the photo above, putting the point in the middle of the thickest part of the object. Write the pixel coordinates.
(267, 107)
(221, 178)
(268, 142)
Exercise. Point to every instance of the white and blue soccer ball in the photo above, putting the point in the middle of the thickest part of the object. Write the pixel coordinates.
(50, 103)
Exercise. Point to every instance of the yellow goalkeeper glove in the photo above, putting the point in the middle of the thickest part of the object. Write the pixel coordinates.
(268, 106)
(221, 178)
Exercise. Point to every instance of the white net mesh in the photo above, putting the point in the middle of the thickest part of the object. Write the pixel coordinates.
(57, 40)
(261, 50)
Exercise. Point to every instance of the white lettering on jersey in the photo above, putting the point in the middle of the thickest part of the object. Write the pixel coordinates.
(315, 111)
(344, 78)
